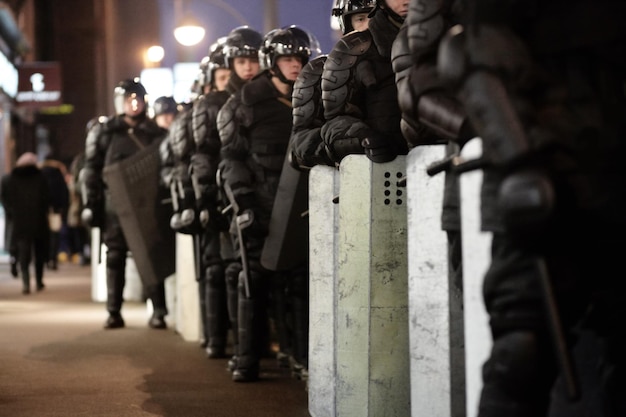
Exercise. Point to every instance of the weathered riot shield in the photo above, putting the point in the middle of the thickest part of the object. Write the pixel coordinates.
(138, 201)
(287, 243)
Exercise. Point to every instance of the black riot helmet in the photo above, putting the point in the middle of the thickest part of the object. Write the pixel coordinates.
(215, 60)
(344, 9)
(287, 41)
(165, 105)
(241, 42)
(130, 88)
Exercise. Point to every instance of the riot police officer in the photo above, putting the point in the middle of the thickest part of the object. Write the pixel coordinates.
(254, 144)
(542, 83)
(165, 110)
(307, 147)
(108, 143)
(240, 50)
(353, 14)
(359, 90)
(215, 248)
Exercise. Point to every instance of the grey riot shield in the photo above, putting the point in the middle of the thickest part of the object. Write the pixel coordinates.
(287, 243)
(138, 200)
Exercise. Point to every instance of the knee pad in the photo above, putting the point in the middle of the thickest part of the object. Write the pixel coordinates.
(215, 276)
(255, 281)
(514, 362)
(231, 274)
(115, 258)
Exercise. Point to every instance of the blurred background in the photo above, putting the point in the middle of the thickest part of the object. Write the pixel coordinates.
(61, 59)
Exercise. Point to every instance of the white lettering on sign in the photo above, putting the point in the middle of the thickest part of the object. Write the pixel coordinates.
(36, 80)
(38, 96)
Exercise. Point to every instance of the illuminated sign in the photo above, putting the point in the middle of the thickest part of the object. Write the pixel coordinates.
(39, 84)
(8, 80)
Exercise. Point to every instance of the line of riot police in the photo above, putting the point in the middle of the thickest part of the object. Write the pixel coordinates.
(547, 107)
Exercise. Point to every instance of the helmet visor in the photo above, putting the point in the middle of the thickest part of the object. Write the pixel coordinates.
(130, 105)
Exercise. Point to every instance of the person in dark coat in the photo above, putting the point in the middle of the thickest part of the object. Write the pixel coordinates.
(25, 197)
(54, 171)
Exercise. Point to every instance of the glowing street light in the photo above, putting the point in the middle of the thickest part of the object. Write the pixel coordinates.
(189, 33)
(155, 54)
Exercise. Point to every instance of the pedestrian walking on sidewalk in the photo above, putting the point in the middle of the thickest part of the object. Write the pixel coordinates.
(25, 197)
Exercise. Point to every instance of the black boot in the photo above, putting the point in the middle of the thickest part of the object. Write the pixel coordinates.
(247, 366)
(13, 263)
(232, 301)
(116, 279)
(157, 321)
(156, 294)
(298, 289)
(279, 311)
(39, 276)
(204, 338)
(25, 280)
(115, 321)
(216, 311)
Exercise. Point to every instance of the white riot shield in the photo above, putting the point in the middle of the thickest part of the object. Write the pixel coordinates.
(476, 259)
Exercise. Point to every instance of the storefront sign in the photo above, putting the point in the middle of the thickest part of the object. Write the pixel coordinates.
(39, 84)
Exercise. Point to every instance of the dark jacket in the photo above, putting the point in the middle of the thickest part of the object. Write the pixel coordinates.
(255, 126)
(26, 200)
(54, 172)
(109, 143)
(360, 96)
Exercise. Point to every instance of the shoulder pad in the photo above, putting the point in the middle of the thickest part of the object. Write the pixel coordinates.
(347, 49)
(307, 94)
(308, 83)
(179, 136)
(204, 119)
(401, 58)
(425, 10)
(311, 74)
(226, 116)
(426, 34)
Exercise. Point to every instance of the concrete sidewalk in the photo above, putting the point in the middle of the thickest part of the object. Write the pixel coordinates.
(56, 360)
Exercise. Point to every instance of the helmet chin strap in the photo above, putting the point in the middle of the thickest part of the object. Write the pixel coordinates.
(278, 73)
(394, 16)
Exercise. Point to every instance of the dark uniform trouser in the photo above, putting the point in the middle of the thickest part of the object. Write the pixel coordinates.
(117, 250)
(214, 295)
(252, 311)
(521, 371)
(580, 110)
(25, 248)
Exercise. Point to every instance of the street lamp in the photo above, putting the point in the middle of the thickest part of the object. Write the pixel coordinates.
(189, 33)
(155, 54)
